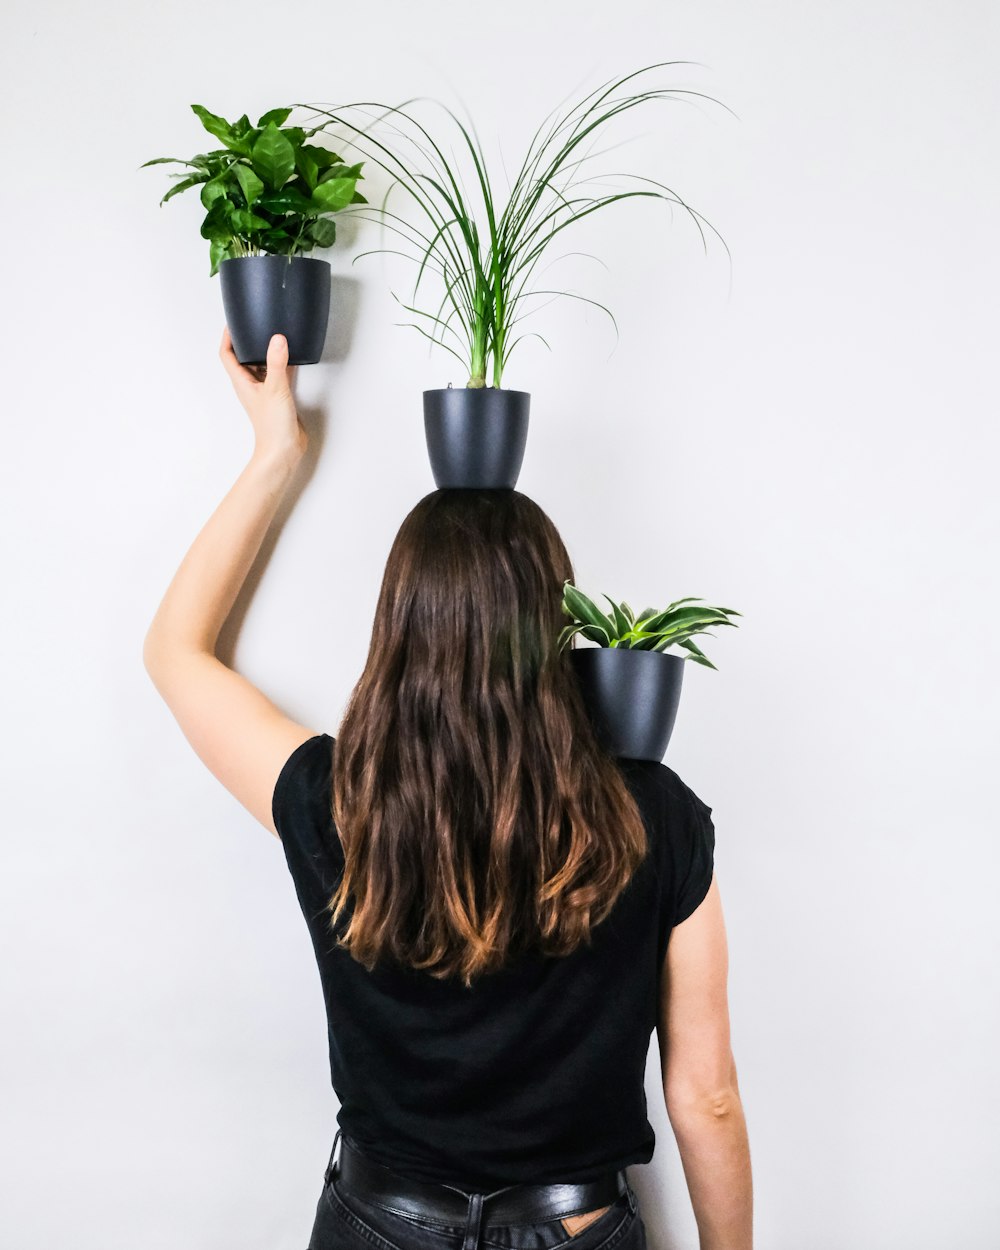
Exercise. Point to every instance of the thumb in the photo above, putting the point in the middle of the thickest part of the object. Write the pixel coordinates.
(277, 360)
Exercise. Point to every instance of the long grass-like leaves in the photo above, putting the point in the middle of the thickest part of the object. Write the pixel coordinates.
(487, 271)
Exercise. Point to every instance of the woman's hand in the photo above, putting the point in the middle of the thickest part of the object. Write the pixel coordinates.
(265, 391)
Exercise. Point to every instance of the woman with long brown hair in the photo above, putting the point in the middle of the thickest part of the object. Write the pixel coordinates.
(501, 913)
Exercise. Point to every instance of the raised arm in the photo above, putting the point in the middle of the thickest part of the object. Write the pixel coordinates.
(237, 732)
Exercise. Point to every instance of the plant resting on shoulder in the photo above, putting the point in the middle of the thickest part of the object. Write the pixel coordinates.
(650, 630)
(486, 253)
(266, 190)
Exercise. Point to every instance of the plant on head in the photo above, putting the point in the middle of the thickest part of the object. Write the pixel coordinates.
(485, 255)
(649, 630)
(266, 191)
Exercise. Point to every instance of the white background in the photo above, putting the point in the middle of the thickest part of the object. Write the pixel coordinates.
(807, 436)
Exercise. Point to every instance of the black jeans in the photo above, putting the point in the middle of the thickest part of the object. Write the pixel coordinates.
(346, 1222)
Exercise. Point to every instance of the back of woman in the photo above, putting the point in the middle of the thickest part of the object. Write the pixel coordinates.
(492, 901)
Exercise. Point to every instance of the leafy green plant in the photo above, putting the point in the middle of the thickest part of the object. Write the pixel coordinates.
(266, 190)
(486, 255)
(649, 630)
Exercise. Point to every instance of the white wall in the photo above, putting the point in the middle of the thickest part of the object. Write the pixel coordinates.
(816, 448)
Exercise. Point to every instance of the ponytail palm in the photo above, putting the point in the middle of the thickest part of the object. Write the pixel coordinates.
(485, 254)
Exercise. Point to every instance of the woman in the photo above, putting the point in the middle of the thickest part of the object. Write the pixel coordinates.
(501, 913)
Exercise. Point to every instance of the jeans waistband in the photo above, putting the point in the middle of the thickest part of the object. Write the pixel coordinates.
(511, 1204)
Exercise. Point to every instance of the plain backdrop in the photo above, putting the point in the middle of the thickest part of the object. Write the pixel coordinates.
(805, 434)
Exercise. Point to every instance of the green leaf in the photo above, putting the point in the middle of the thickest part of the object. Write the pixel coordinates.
(165, 160)
(673, 618)
(339, 170)
(275, 241)
(333, 195)
(216, 225)
(322, 231)
(278, 116)
(249, 182)
(581, 608)
(274, 157)
(639, 641)
(697, 653)
(243, 221)
(622, 625)
(215, 125)
(183, 186)
(287, 200)
(307, 167)
(213, 190)
(322, 157)
(596, 634)
(217, 251)
(630, 615)
(567, 634)
(690, 599)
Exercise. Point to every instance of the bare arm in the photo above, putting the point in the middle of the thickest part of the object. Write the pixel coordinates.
(699, 1078)
(239, 734)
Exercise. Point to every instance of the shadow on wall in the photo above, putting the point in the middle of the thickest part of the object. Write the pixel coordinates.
(345, 299)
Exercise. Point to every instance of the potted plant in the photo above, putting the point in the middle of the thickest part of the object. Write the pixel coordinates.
(484, 254)
(630, 685)
(269, 197)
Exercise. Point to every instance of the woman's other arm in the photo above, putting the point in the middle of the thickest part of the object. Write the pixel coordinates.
(699, 1078)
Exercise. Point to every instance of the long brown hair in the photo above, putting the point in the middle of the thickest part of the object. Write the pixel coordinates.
(478, 813)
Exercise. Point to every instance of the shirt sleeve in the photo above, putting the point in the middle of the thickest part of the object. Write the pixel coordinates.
(695, 862)
(300, 808)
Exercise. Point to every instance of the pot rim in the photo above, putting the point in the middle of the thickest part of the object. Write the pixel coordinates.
(309, 260)
(664, 655)
(475, 390)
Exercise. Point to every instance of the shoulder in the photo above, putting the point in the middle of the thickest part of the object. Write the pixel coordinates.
(662, 789)
(684, 833)
(679, 821)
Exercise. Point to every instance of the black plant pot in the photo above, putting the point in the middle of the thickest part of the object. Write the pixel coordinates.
(476, 435)
(265, 295)
(632, 697)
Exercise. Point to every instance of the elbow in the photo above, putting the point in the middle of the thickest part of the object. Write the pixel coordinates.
(702, 1099)
(152, 656)
(704, 1105)
(147, 655)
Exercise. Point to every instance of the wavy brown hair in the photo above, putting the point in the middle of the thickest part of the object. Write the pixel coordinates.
(479, 815)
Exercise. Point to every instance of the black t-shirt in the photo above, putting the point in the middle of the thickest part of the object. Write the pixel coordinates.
(536, 1072)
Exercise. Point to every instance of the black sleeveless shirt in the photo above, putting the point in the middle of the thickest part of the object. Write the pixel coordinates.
(535, 1073)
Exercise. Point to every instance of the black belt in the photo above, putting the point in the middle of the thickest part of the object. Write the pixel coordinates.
(513, 1204)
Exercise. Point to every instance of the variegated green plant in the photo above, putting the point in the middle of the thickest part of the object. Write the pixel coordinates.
(648, 630)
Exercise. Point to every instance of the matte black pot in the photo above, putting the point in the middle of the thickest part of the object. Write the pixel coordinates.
(632, 698)
(265, 295)
(476, 435)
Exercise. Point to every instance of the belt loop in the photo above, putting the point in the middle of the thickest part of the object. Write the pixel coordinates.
(473, 1223)
(329, 1167)
(632, 1200)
